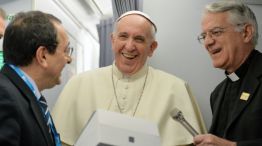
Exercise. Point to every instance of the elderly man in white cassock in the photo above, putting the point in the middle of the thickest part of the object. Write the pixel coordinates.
(129, 86)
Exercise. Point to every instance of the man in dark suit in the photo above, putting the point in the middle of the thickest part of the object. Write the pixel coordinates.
(230, 34)
(36, 50)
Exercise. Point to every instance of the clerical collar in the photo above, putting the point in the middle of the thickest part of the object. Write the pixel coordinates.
(241, 71)
(137, 75)
(233, 77)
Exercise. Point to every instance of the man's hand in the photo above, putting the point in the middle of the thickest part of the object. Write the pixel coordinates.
(212, 140)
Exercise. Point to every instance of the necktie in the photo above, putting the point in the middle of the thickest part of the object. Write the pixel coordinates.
(46, 112)
(55, 136)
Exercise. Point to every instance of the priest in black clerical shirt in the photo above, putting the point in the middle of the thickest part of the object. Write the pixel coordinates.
(230, 34)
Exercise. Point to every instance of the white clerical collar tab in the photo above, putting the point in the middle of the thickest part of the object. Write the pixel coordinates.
(233, 77)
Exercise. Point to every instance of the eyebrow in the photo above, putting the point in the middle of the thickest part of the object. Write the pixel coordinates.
(217, 27)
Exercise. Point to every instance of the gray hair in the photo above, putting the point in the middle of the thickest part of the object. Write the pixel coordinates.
(2, 13)
(239, 14)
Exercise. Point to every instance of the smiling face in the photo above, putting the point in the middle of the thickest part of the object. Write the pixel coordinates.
(132, 43)
(58, 60)
(228, 49)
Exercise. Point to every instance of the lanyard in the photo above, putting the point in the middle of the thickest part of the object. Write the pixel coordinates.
(25, 79)
(56, 135)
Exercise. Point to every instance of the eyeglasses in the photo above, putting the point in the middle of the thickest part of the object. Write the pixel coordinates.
(69, 51)
(213, 33)
(217, 32)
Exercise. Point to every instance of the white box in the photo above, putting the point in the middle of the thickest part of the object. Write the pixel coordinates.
(106, 128)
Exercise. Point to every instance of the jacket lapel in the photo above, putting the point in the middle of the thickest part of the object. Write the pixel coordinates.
(215, 105)
(30, 97)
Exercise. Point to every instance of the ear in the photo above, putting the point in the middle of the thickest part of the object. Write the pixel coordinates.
(248, 32)
(40, 56)
(112, 38)
(153, 47)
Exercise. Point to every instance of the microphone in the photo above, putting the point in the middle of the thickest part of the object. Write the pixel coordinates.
(177, 115)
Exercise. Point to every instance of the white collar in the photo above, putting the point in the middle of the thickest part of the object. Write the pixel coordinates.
(233, 77)
(137, 75)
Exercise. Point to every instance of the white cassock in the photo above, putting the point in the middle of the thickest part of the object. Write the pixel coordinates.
(149, 94)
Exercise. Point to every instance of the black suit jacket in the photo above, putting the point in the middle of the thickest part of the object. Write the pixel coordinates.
(246, 124)
(21, 120)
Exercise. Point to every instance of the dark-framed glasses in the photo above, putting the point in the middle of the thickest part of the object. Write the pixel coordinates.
(213, 33)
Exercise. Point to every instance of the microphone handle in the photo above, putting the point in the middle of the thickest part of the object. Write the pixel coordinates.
(189, 128)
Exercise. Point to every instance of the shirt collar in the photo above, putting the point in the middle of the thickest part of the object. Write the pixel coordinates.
(37, 92)
(28, 80)
(241, 71)
(137, 75)
(233, 77)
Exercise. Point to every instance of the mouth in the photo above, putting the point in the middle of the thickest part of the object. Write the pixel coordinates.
(129, 56)
(215, 51)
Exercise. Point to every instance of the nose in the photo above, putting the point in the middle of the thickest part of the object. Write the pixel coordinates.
(208, 40)
(130, 45)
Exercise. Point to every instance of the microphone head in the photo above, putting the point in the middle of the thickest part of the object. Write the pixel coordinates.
(176, 114)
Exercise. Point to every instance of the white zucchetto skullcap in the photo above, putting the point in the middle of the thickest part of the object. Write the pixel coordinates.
(133, 12)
